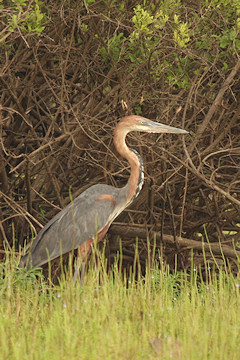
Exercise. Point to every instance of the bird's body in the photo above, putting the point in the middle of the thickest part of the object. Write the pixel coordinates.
(93, 211)
(95, 206)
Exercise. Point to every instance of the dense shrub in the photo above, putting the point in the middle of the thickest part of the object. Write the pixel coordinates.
(69, 70)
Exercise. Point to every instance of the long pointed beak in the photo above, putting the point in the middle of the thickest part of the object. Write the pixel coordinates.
(154, 127)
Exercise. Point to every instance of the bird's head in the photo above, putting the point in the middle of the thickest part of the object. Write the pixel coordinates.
(139, 123)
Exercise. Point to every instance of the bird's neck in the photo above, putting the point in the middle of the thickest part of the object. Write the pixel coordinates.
(136, 178)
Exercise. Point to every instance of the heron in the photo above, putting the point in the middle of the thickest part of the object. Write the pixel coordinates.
(89, 215)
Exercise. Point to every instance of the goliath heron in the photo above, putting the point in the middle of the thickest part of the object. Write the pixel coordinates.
(89, 216)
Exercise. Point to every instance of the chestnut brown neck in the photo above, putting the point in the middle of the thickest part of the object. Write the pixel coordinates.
(135, 180)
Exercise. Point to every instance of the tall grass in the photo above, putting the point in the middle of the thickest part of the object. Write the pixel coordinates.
(111, 316)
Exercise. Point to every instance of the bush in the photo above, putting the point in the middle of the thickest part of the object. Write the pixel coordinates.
(68, 75)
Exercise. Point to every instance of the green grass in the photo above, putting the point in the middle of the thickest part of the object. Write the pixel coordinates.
(161, 316)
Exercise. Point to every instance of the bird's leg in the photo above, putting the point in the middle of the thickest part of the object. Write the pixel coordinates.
(80, 266)
(83, 252)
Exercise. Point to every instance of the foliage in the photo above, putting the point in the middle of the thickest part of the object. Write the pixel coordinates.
(181, 34)
(97, 61)
(114, 48)
(141, 20)
(26, 17)
(152, 23)
(118, 317)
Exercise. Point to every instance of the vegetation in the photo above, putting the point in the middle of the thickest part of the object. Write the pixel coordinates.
(21, 17)
(163, 315)
(69, 70)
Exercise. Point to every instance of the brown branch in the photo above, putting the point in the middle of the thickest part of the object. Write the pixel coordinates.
(28, 187)
(3, 173)
(206, 181)
(216, 249)
(214, 106)
(35, 152)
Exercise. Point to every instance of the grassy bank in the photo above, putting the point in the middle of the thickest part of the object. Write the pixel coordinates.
(167, 316)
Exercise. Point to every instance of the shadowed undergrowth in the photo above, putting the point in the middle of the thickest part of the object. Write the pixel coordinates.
(162, 315)
(68, 74)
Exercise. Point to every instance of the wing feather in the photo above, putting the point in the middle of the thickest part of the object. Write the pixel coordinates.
(80, 221)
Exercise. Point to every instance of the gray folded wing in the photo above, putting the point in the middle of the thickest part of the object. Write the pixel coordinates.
(80, 221)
